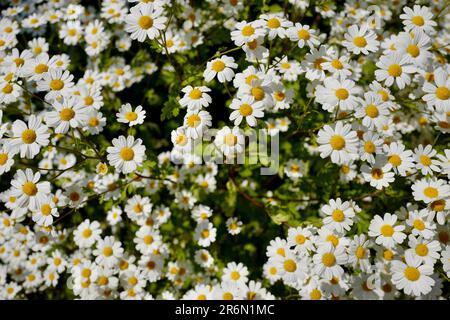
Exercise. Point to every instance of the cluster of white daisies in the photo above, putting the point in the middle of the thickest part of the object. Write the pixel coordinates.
(377, 89)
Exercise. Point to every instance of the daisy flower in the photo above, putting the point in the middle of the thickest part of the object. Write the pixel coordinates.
(108, 252)
(9, 92)
(418, 19)
(247, 31)
(385, 231)
(338, 215)
(235, 272)
(196, 122)
(87, 233)
(360, 40)
(221, 67)
(69, 113)
(138, 208)
(338, 141)
(233, 225)
(359, 253)
(328, 261)
(412, 276)
(438, 94)
(425, 250)
(27, 189)
(44, 213)
(303, 35)
(400, 160)
(246, 107)
(145, 22)
(230, 141)
(126, 154)
(205, 233)
(417, 46)
(337, 65)
(337, 93)
(195, 98)
(275, 25)
(6, 160)
(132, 117)
(378, 174)
(56, 82)
(394, 67)
(373, 111)
(424, 159)
(371, 146)
(28, 138)
(289, 268)
(294, 169)
(147, 240)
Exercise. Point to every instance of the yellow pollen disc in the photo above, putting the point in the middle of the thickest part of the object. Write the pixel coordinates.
(295, 168)
(395, 70)
(315, 294)
(442, 93)
(281, 252)
(438, 205)
(205, 233)
(93, 122)
(148, 239)
(230, 139)
(7, 89)
(218, 65)
(252, 44)
(181, 140)
(318, 63)
(19, 62)
(227, 296)
(258, 93)
(29, 188)
(273, 23)
(145, 22)
(412, 274)
(56, 84)
(88, 101)
(3, 158)
(245, 109)
(193, 120)
(345, 169)
(341, 94)
(421, 250)
(337, 142)
(369, 147)
(102, 281)
(372, 111)
(360, 42)
(377, 173)
(328, 259)
(46, 209)
(338, 215)
(29, 136)
(41, 68)
(86, 273)
(247, 31)
(337, 64)
(235, 275)
(384, 95)
(107, 251)
(72, 32)
(425, 160)
(131, 116)
(413, 50)
(387, 230)
(290, 265)
(419, 224)
(87, 233)
(66, 114)
(360, 252)
(279, 95)
(431, 192)
(127, 154)
(395, 160)
(418, 21)
(195, 94)
(303, 34)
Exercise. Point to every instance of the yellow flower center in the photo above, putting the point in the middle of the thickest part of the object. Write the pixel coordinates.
(419, 224)
(29, 188)
(3, 158)
(338, 215)
(66, 114)
(227, 296)
(195, 94)
(131, 116)
(337, 64)
(7, 89)
(145, 22)
(360, 42)
(148, 239)
(235, 275)
(290, 265)
(245, 109)
(19, 62)
(247, 31)
(372, 111)
(273, 23)
(250, 78)
(377, 173)
(193, 120)
(418, 21)
(412, 274)
(230, 139)
(438, 205)
(360, 252)
(46, 209)
(218, 65)
(384, 95)
(369, 147)
(303, 34)
(442, 93)
(318, 63)
(181, 140)
(107, 251)
(425, 160)
(315, 294)
(387, 230)
(413, 50)
(388, 255)
(93, 122)
(431, 192)
(328, 259)
(56, 84)
(395, 160)
(258, 93)
(28, 136)
(341, 94)
(300, 239)
(337, 142)
(422, 250)
(395, 70)
(87, 233)
(333, 239)
(127, 154)
(205, 233)
(88, 101)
